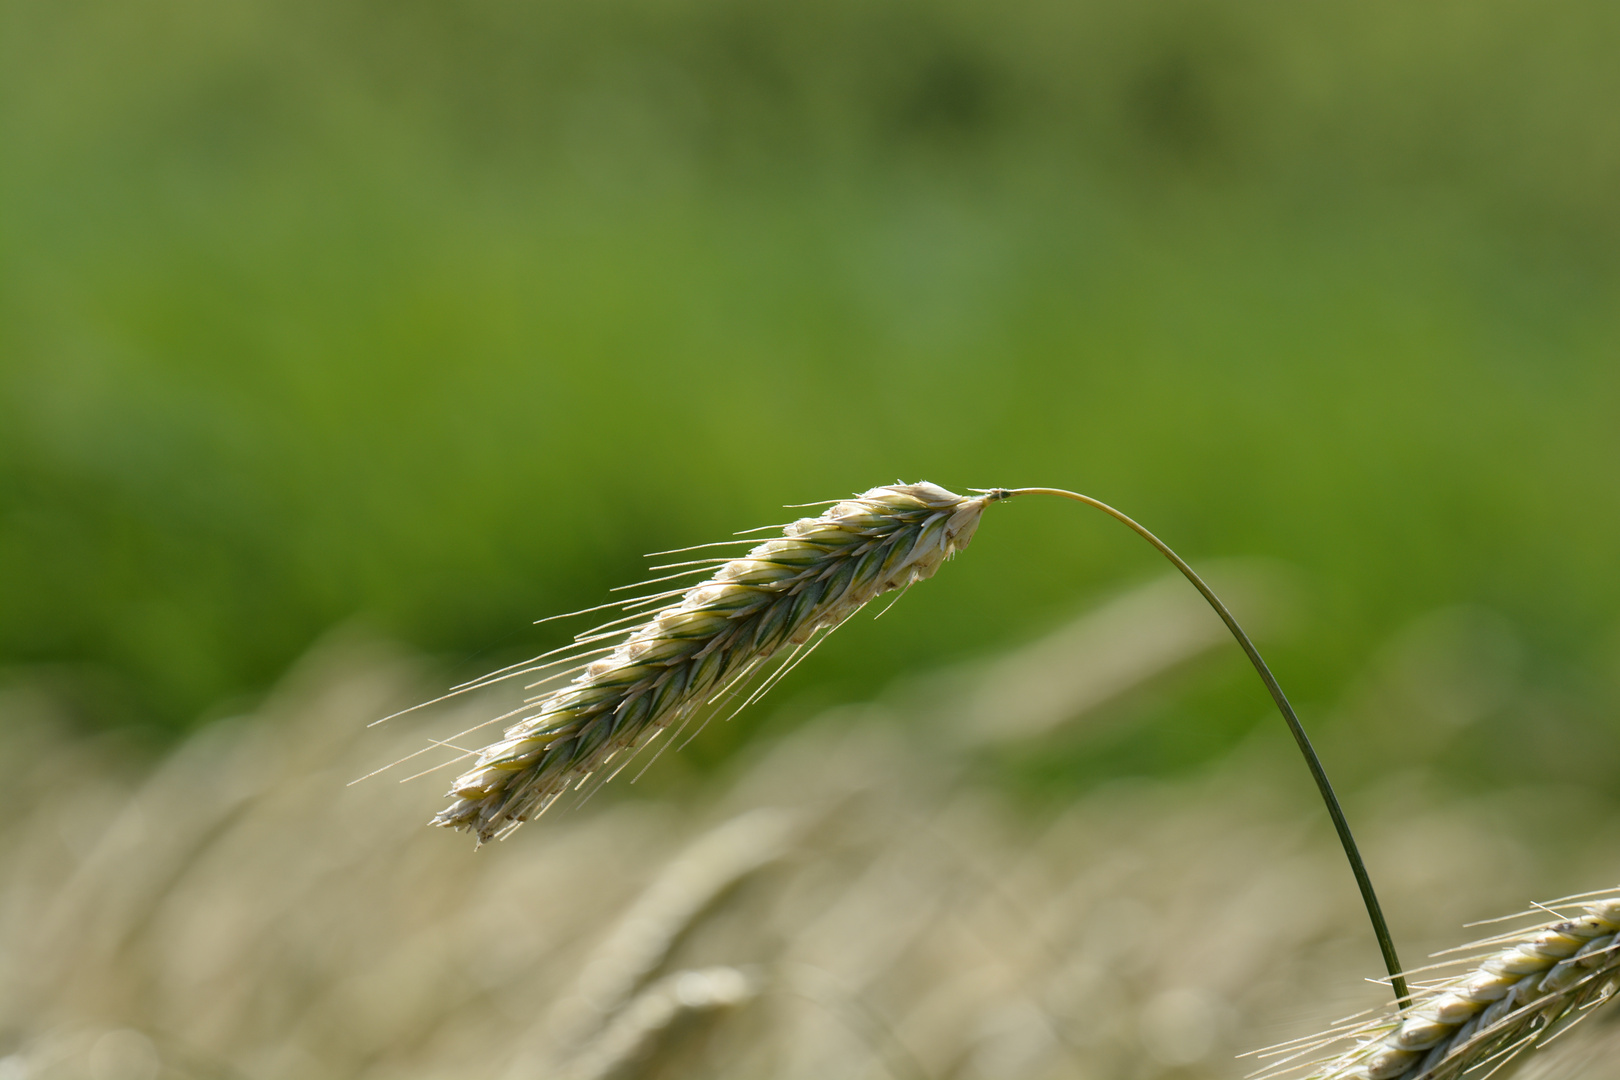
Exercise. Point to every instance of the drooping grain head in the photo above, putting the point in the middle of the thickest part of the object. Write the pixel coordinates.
(778, 598)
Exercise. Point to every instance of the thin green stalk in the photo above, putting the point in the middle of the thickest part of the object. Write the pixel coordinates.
(1375, 912)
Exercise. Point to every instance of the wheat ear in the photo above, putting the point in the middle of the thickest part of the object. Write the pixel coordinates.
(1532, 984)
(707, 641)
(782, 595)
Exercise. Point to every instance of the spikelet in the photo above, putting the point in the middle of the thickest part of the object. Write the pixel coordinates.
(1533, 983)
(779, 598)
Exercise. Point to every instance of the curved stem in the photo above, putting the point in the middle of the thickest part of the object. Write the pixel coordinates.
(1386, 944)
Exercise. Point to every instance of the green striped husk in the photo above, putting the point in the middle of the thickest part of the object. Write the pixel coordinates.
(772, 601)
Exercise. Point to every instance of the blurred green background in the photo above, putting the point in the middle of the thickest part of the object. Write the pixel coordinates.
(434, 316)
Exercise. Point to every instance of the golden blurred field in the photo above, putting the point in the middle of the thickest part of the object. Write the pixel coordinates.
(856, 898)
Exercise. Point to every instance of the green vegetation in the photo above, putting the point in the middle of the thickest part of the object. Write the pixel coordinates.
(436, 315)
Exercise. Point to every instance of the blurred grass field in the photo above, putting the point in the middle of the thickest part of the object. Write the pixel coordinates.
(435, 317)
(323, 324)
(858, 898)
